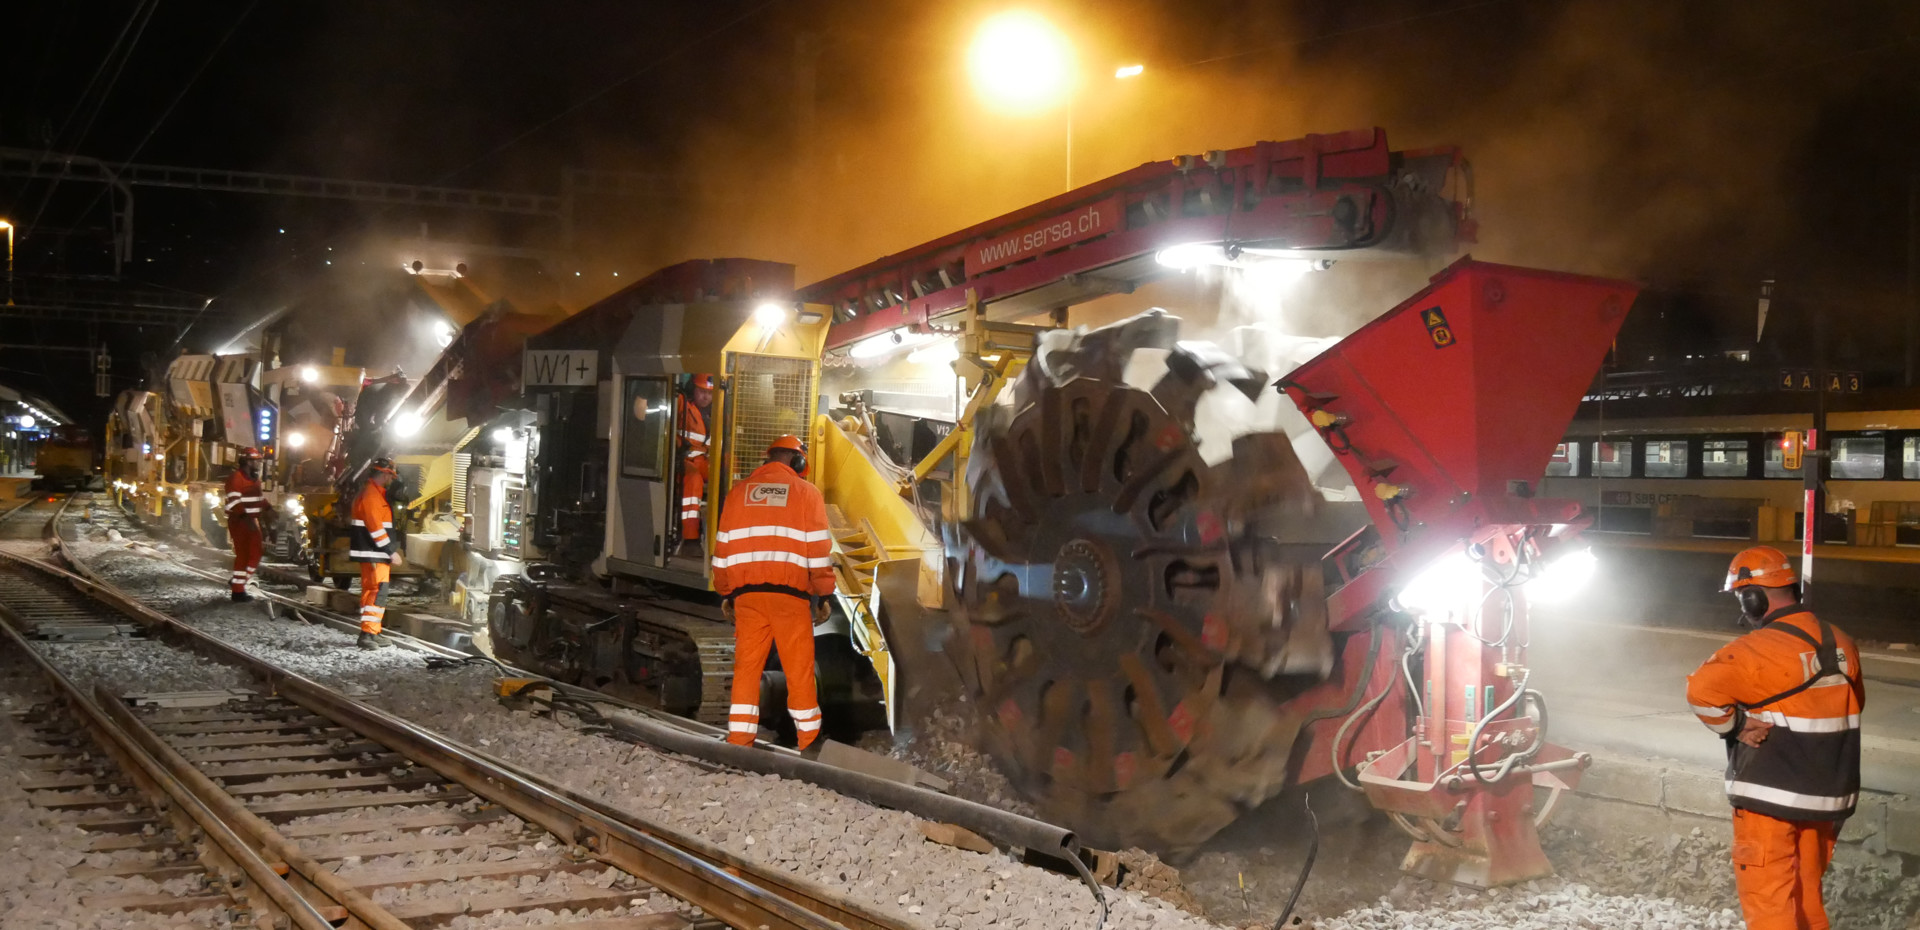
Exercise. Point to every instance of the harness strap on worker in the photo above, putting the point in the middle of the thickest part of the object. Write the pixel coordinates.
(1825, 649)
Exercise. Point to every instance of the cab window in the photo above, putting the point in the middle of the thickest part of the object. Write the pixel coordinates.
(645, 418)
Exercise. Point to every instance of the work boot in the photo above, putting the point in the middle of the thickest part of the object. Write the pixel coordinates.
(241, 597)
(368, 641)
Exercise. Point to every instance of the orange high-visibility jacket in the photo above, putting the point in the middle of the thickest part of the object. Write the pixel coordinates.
(243, 496)
(369, 536)
(693, 437)
(773, 537)
(1808, 768)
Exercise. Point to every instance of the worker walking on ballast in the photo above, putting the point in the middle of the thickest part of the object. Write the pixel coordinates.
(1787, 699)
(371, 544)
(696, 405)
(247, 514)
(772, 565)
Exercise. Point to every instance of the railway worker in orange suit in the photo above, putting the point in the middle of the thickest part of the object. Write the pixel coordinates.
(371, 543)
(695, 406)
(247, 513)
(771, 564)
(1787, 698)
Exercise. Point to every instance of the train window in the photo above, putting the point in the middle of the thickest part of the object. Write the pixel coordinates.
(1910, 457)
(643, 429)
(1723, 458)
(1859, 457)
(1665, 458)
(1612, 459)
(1775, 455)
(1566, 461)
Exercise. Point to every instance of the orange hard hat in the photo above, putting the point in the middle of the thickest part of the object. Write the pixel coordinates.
(789, 442)
(703, 381)
(1764, 566)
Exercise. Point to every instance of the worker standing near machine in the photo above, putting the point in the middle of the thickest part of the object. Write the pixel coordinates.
(1787, 699)
(372, 545)
(696, 403)
(772, 565)
(247, 513)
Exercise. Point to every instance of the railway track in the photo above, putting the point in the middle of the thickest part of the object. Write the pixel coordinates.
(308, 808)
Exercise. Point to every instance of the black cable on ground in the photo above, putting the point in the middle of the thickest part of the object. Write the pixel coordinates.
(1306, 868)
(1086, 875)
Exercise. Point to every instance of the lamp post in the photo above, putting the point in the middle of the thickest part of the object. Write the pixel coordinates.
(1019, 62)
(8, 226)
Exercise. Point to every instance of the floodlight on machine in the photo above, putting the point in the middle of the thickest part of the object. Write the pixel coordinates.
(1563, 577)
(408, 424)
(770, 315)
(309, 374)
(1446, 587)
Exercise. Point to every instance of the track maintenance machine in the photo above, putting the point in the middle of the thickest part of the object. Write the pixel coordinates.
(1167, 584)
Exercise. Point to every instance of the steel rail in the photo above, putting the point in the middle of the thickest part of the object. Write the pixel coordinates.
(230, 810)
(167, 793)
(691, 738)
(743, 894)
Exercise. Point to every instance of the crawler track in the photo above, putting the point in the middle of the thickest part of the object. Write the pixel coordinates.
(311, 782)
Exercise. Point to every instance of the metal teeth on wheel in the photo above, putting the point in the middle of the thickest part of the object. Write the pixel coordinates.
(1103, 595)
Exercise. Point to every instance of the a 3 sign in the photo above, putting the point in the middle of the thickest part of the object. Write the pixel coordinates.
(1808, 379)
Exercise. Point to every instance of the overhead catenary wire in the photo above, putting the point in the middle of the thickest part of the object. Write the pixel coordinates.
(161, 120)
(144, 15)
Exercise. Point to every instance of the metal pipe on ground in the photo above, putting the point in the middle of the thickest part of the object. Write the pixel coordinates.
(1001, 827)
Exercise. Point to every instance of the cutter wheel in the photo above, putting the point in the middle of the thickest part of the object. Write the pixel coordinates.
(1134, 630)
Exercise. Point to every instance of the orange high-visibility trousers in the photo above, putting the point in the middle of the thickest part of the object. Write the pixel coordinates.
(244, 533)
(693, 488)
(782, 621)
(373, 595)
(1777, 866)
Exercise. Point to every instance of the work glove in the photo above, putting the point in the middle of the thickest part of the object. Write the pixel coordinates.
(726, 609)
(821, 610)
(399, 559)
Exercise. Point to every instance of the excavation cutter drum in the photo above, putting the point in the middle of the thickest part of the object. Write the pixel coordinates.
(1136, 629)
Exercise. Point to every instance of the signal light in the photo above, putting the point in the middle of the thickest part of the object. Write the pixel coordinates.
(1793, 445)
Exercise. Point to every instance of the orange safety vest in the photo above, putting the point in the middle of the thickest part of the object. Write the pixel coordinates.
(369, 536)
(773, 536)
(1802, 675)
(243, 496)
(693, 437)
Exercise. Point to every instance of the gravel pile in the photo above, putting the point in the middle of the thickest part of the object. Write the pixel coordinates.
(944, 746)
(1542, 905)
(1694, 868)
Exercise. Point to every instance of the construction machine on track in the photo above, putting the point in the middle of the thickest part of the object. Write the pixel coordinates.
(1167, 578)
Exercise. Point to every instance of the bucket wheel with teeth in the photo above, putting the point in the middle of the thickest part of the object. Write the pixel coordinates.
(1132, 635)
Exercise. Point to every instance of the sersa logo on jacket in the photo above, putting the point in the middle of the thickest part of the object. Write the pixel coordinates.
(766, 494)
(1810, 666)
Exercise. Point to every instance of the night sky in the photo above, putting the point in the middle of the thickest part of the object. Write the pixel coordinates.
(1693, 145)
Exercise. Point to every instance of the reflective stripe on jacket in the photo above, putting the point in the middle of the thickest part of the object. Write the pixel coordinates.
(693, 437)
(370, 531)
(1808, 767)
(773, 536)
(243, 495)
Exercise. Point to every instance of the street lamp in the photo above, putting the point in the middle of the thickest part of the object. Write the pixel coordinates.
(1021, 63)
(8, 226)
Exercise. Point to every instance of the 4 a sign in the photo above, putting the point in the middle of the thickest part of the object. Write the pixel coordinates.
(1808, 379)
(560, 368)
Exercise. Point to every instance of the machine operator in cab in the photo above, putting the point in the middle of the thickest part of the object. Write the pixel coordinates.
(371, 544)
(247, 515)
(772, 566)
(696, 407)
(1786, 697)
